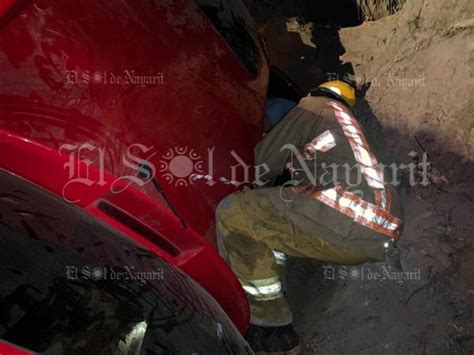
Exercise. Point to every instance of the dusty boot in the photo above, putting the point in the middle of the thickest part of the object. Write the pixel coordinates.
(273, 340)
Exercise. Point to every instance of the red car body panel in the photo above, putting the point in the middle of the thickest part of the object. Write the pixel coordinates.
(10, 349)
(59, 64)
(190, 252)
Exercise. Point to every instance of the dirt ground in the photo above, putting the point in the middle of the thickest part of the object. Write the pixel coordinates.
(413, 71)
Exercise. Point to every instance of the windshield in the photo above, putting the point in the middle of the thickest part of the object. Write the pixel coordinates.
(70, 284)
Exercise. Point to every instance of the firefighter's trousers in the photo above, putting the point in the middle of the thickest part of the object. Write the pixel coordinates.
(255, 234)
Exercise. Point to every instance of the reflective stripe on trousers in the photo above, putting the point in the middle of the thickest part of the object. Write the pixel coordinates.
(263, 289)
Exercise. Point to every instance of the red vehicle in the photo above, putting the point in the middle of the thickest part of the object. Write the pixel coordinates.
(136, 118)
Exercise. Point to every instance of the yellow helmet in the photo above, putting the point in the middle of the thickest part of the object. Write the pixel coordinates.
(339, 89)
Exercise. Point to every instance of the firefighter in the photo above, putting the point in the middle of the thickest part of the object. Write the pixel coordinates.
(336, 208)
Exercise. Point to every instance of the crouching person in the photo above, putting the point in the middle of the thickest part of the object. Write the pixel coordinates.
(349, 216)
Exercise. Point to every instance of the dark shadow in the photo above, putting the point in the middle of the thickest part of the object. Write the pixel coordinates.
(303, 37)
(342, 13)
(329, 50)
(290, 54)
(366, 116)
(328, 18)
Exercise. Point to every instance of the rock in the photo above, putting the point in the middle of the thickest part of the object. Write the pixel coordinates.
(376, 9)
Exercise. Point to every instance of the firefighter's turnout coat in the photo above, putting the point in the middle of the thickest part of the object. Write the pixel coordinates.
(335, 207)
